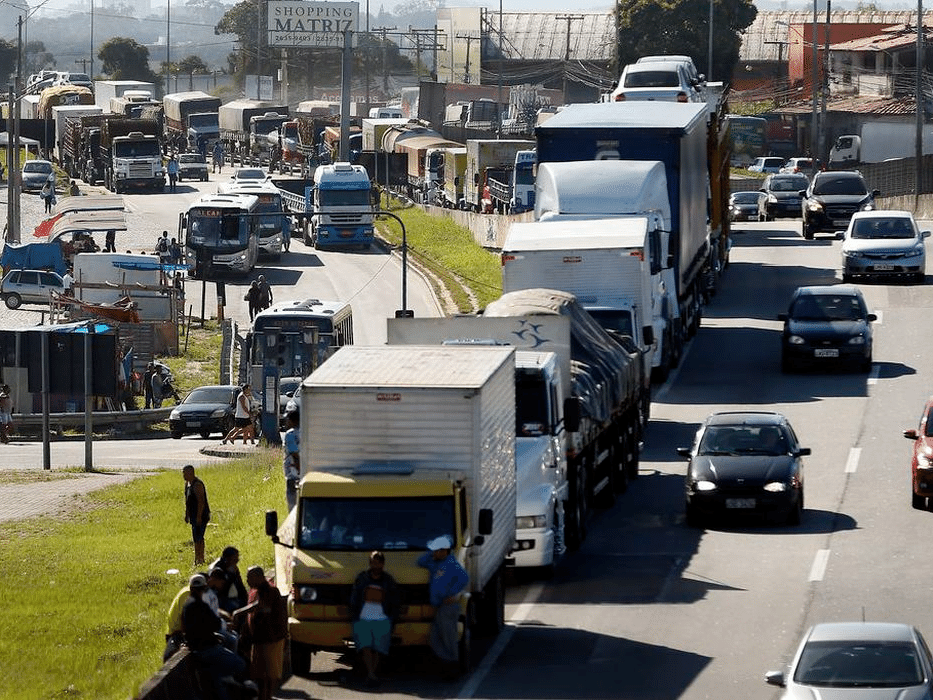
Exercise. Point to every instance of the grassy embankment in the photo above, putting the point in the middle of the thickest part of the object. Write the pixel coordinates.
(86, 593)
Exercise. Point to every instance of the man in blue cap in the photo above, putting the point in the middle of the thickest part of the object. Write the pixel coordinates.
(447, 581)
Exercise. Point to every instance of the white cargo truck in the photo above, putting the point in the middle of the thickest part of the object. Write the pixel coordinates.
(106, 90)
(400, 444)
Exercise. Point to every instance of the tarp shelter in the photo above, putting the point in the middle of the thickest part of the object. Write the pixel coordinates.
(24, 142)
(33, 256)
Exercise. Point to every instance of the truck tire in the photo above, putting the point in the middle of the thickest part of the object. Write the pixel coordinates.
(300, 658)
(492, 611)
(576, 509)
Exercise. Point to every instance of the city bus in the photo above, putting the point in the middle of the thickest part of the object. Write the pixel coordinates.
(274, 228)
(220, 232)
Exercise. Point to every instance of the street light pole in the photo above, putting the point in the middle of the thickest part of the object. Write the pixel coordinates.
(709, 55)
(499, 110)
(91, 74)
(814, 128)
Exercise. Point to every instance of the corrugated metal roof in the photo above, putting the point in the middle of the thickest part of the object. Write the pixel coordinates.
(891, 38)
(762, 40)
(542, 36)
(880, 106)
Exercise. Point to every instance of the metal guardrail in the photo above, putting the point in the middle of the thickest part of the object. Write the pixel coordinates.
(127, 421)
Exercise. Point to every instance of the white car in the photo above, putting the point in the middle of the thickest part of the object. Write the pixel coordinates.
(695, 77)
(663, 81)
(884, 243)
(249, 175)
(797, 165)
(767, 164)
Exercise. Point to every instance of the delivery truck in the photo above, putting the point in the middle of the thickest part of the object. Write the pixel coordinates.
(400, 445)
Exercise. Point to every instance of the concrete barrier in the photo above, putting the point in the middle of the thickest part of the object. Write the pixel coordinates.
(121, 421)
(174, 681)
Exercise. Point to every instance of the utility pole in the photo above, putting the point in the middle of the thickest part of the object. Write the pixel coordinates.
(466, 70)
(824, 86)
(385, 68)
(569, 19)
(83, 63)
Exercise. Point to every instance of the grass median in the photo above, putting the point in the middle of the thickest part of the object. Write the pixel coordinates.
(87, 593)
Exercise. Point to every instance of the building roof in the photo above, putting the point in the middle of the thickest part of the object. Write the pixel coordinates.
(900, 36)
(869, 104)
(543, 35)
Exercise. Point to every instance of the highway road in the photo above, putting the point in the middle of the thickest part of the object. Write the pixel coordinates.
(650, 609)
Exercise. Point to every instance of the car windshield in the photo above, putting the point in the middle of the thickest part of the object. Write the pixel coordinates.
(653, 78)
(190, 158)
(840, 185)
(744, 439)
(859, 664)
(210, 395)
(899, 227)
(827, 307)
(745, 198)
(788, 184)
(249, 175)
(367, 524)
(289, 384)
(34, 167)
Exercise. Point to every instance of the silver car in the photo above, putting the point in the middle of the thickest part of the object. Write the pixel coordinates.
(35, 174)
(29, 286)
(665, 81)
(840, 660)
(884, 244)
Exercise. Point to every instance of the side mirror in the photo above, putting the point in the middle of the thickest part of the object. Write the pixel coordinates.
(272, 523)
(910, 434)
(871, 317)
(840, 235)
(775, 678)
(684, 452)
(647, 333)
(876, 193)
(484, 527)
(924, 234)
(572, 414)
(803, 451)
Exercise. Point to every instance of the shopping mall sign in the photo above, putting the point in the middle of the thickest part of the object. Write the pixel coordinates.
(312, 24)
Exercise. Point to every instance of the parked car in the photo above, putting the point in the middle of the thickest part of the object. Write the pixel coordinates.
(832, 198)
(206, 410)
(30, 287)
(249, 175)
(921, 462)
(743, 206)
(767, 164)
(192, 166)
(858, 661)
(744, 463)
(665, 81)
(884, 244)
(35, 173)
(781, 196)
(797, 165)
(287, 388)
(827, 324)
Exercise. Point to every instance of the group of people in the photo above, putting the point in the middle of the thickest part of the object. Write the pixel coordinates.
(235, 633)
(258, 296)
(158, 385)
(168, 250)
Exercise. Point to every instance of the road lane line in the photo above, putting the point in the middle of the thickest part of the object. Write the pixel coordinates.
(521, 612)
(818, 570)
(855, 454)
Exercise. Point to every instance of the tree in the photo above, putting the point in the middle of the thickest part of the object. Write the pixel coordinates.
(124, 59)
(649, 27)
(36, 57)
(192, 65)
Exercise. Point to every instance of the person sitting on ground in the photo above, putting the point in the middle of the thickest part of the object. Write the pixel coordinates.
(234, 595)
(374, 608)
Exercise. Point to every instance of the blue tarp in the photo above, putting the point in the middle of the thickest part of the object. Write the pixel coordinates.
(33, 256)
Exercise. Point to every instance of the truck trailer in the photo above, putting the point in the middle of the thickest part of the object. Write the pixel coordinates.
(245, 126)
(485, 158)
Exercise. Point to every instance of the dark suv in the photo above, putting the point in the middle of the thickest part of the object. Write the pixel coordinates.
(832, 198)
(781, 196)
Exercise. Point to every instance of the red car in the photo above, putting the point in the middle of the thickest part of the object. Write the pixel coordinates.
(921, 464)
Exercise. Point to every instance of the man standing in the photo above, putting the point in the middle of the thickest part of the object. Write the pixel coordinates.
(447, 581)
(252, 299)
(110, 242)
(267, 621)
(158, 387)
(147, 384)
(265, 293)
(218, 157)
(292, 462)
(200, 623)
(373, 609)
(68, 283)
(197, 511)
(172, 170)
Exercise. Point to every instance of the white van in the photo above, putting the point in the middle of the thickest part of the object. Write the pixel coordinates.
(385, 113)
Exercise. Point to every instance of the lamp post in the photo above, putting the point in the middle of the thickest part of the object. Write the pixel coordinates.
(814, 127)
(168, 46)
(499, 110)
(709, 55)
(91, 74)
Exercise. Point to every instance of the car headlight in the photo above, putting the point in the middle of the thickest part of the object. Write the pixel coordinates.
(814, 206)
(704, 486)
(219, 413)
(174, 415)
(924, 461)
(776, 486)
(796, 340)
(772, 199)
(857, 340)
(530, 522)
(914, 252)
(305, 594)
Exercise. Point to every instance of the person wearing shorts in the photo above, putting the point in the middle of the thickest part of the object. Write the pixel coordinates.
(242, 417)
(197, 511)
(373, 609)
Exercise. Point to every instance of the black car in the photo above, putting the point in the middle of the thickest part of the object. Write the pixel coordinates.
(744, 463)
(780, 196)
(832, 198)
(743, 206)
(206, 410)
(827, 325)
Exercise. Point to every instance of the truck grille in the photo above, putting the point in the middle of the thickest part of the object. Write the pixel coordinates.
(346, 219)
(330, 594)
(139, 170)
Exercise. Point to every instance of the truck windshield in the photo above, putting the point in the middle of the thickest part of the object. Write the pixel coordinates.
(202, 120)
(344, 198)
(207, 229)
(137, 149)
(267, 126)
(531, 405)
(366, 524)
(524, 176)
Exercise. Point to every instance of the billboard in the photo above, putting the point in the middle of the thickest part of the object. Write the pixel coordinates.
(312, 24)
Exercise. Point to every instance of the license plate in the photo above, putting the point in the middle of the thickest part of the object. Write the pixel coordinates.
(193, 424)
(740, 503)
(884, 268)
(826, 352)
(346, 233)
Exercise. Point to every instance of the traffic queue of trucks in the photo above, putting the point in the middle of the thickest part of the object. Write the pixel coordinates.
(246, 127)
(191, 120)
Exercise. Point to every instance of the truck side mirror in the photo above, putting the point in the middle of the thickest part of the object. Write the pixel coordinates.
(572, 414)
(272, 524)
(648, 334)
(484, 527)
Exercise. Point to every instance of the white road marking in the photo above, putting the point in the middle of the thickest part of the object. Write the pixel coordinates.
(852, 462)
(521, 612)
(880, 314)
(818, 570)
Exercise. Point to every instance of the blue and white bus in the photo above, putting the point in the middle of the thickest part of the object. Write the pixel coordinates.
(274, 228)
(220, 232)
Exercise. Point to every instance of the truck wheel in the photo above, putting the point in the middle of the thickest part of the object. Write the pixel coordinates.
(577, 509)
(301, 658)
(492, 618)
